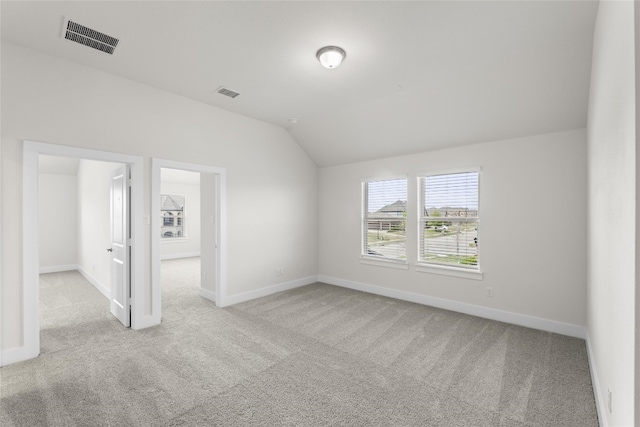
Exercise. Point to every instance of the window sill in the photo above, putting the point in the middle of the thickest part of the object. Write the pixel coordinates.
(384, 263)
(450, 271)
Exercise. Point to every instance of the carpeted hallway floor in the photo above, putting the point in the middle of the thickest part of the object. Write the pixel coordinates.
(314, 356)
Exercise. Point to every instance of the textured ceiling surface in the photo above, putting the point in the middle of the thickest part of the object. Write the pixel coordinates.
(418, 75)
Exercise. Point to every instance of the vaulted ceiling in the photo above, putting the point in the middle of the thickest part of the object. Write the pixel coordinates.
(419, 75)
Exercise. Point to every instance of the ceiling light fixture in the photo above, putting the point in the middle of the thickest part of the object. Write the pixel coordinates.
(331, 56)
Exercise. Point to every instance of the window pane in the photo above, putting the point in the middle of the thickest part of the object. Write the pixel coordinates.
(384, 229)
(450, 242)
(449, 222)
(172, 211)
(453, 193)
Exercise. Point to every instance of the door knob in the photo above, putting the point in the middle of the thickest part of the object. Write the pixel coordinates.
(109, 250)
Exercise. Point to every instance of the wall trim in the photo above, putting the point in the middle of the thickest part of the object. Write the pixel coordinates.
(474, 310)
(598, 395)
(146, 321)
(15, 355)
(58, 268)
(269, 290)
(31, 150)
(207, 294)
(181, 255)
(104, 290)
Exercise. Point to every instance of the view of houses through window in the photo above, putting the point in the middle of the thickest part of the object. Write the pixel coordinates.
(447, 224)
(172, 211)
(385, 219)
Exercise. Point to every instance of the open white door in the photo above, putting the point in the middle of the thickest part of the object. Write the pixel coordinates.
(120, 244)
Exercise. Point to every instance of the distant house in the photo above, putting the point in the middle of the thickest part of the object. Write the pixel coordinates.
(452, 212)
(389, 217)
(392, 216)
(397, 208)
(172, 211)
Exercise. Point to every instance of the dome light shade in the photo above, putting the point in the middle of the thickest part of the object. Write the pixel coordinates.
(331, 56)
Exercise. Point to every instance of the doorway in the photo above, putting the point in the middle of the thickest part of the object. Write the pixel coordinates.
(209, 224)
(74, 229)
(180, 248)
(31, 256)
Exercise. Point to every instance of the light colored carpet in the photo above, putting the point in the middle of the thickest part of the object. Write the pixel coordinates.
(314, 356)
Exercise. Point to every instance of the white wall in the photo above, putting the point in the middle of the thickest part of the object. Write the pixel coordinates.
(94, 216)
(637, 302)
(57, 221)
(532, 227)
(47, 99)
(190, 244)
(612, 210)
(208, 267)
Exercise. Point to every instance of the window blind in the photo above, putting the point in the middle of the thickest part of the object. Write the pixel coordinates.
(384, 216)
(449, 218)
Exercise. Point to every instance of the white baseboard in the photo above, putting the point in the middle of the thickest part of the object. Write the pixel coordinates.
(15, 355)
(269, 290)
(144, 322)
(180, 255)
(207, 294)
(99, 286)
(58, 268)
(474, 310)
(598, 394)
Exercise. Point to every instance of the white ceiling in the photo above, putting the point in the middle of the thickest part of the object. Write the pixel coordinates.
(418, 75)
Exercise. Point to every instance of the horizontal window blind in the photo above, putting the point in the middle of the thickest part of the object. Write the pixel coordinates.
(449, 218)
(384, 216)
(173, 216)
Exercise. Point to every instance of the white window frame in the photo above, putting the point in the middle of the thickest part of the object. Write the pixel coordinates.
(470, 272)
(378, 260)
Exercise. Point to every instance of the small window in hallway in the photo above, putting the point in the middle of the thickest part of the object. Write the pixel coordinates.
(172, 208)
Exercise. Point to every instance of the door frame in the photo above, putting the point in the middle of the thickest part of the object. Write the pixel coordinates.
(30, 235)
(220, 199)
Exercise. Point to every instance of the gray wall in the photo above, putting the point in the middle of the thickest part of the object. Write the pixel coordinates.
(612, 211)
(57, 221)
(533, 199)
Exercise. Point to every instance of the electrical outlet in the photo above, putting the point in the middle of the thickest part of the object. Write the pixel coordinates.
(279, 271)
(489, 292)
(304, 267)
(609, 396)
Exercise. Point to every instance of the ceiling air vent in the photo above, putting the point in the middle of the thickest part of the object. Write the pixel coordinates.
(88, 37)
(227, 92)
